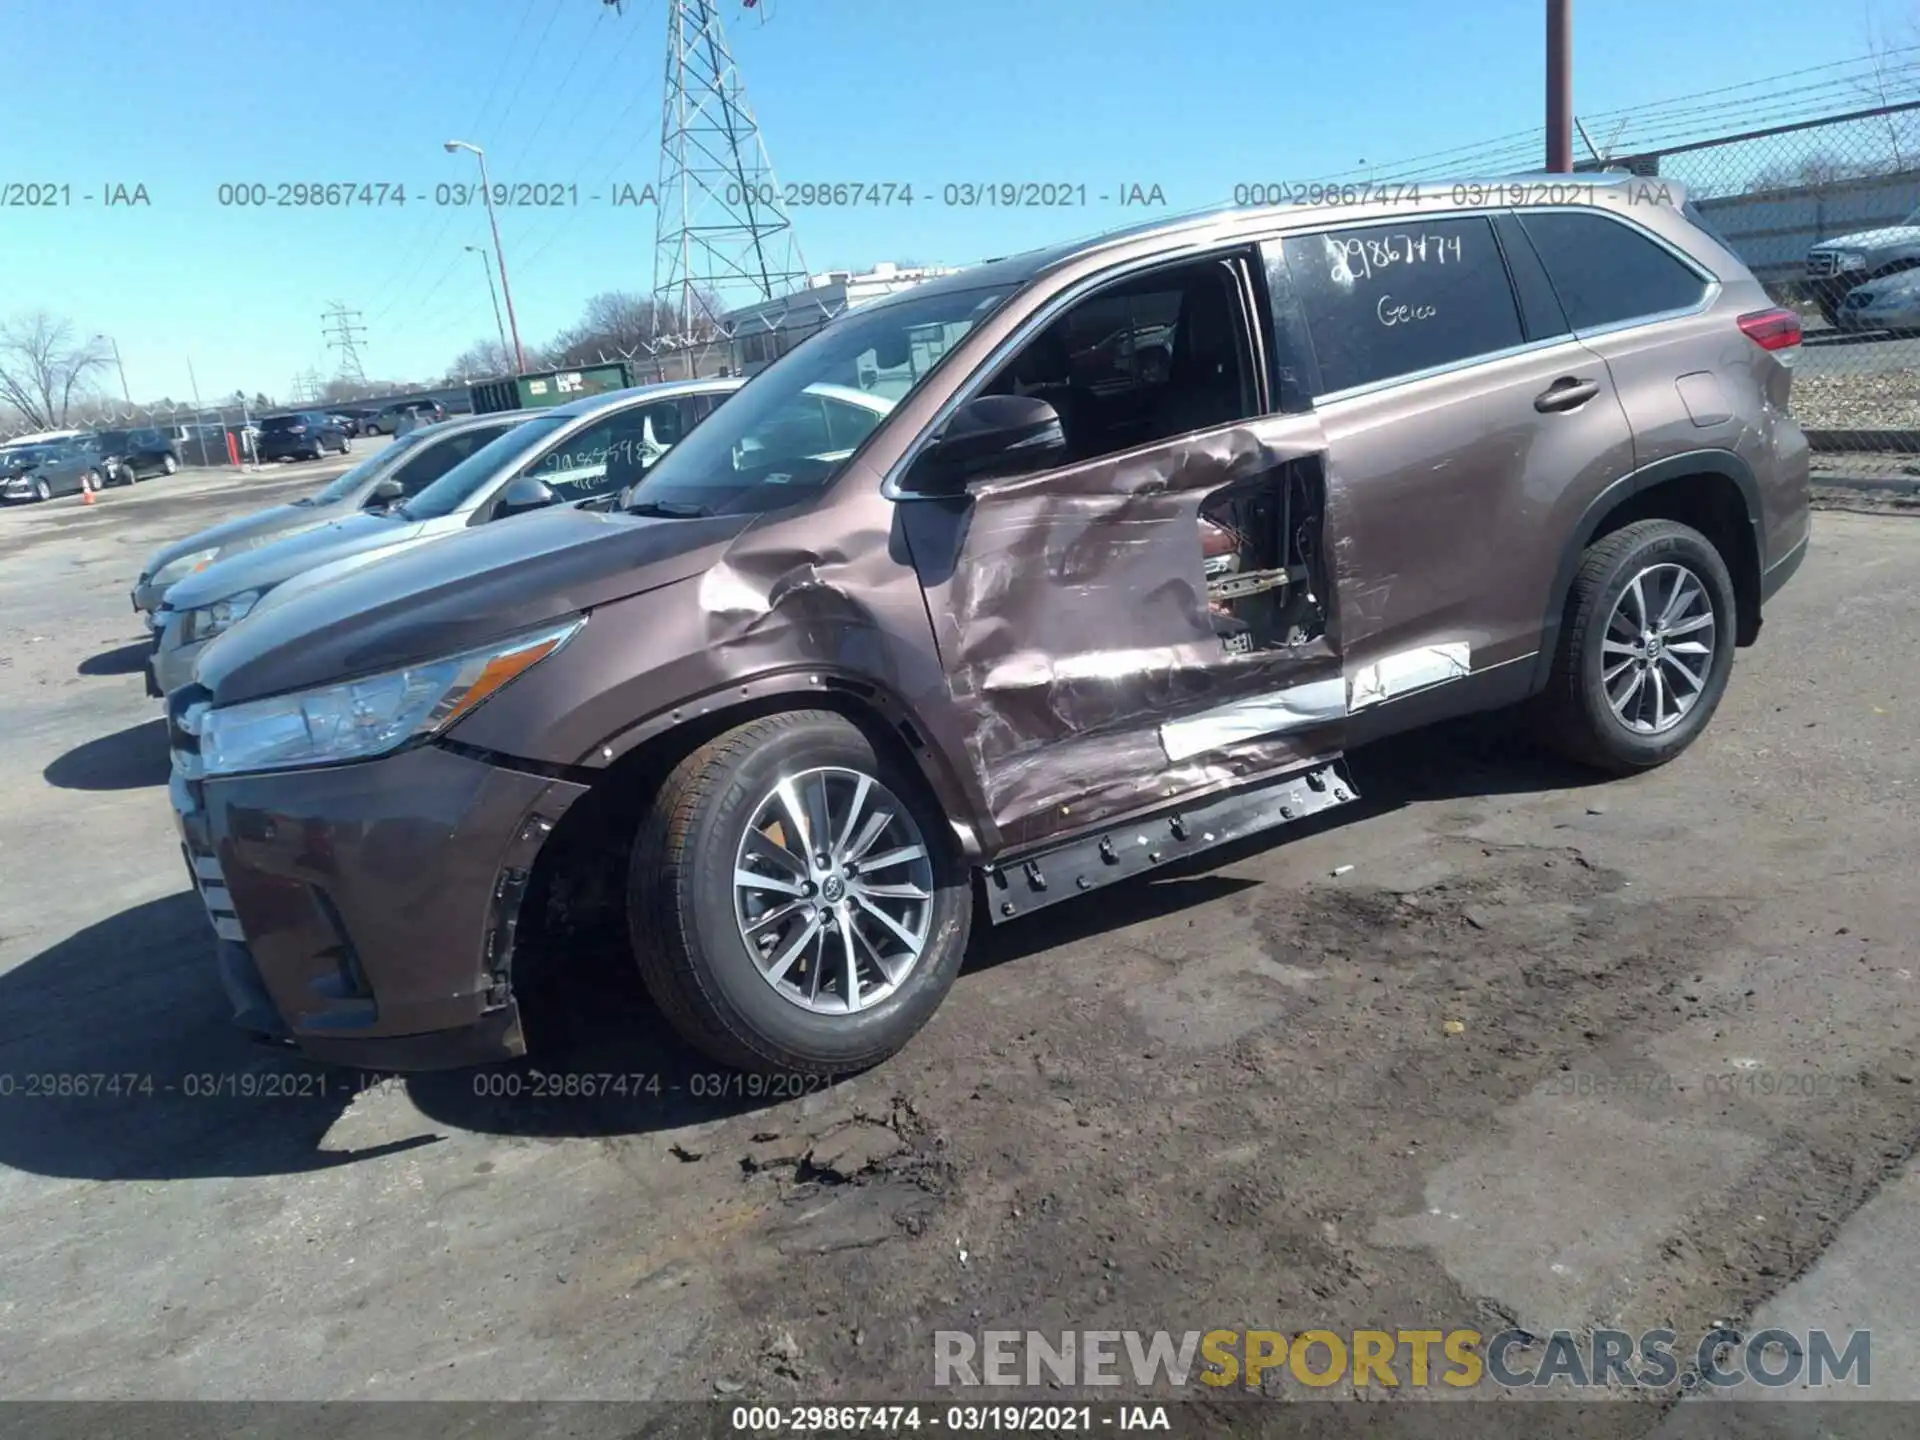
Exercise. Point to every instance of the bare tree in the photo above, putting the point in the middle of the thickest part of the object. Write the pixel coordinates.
(1882, 86)
(486, 358)
(43, 370)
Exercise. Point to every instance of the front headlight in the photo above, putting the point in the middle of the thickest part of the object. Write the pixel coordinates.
(209, 620)
(1853, 262)
(371, 716)
(185, 565)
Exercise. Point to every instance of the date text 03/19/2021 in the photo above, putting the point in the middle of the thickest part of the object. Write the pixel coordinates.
(908, 1419)
(1467, 194)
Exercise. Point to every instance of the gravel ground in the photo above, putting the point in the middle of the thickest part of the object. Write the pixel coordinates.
(1395, 1071)
(1888, 400)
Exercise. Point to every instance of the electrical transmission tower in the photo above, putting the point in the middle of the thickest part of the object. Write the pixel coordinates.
(346, 334)
(723, 239)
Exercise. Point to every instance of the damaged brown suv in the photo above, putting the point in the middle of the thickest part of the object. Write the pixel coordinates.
(1145, 532)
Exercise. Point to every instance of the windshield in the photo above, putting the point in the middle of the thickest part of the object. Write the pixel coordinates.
(464, 481)
(790, 430)
(365, 471)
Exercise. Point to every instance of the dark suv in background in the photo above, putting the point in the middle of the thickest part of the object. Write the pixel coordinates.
(131, 455)
(305, 435)
(1150, 530)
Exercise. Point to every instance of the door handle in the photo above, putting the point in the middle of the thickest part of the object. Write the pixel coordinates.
(1566, 393)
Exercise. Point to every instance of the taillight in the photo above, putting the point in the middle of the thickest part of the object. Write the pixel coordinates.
(1776, 329)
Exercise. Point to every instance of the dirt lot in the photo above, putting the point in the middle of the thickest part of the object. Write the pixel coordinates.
(1504, 1069)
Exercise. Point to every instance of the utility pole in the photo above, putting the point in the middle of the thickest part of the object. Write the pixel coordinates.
(486, 190)
(125, 393)
(723, 238)
(492, 294)
(1560, 86)
(345, 333)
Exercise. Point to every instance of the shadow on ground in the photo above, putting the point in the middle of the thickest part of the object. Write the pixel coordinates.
(135, 996)
(130, 759)
(126, 660)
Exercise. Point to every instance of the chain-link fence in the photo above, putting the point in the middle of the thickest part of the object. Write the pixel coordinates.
(1826, 213)
(196, 435)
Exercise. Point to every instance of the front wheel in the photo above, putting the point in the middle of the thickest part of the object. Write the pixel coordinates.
(1645, 649)
(168, 465)
(796, 902)
(42, 490)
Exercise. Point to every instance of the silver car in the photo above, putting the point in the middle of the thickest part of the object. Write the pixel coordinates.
(576, 452)
(1891, 303)
(395, 472)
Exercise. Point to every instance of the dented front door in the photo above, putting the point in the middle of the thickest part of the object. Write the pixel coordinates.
(1095, 669)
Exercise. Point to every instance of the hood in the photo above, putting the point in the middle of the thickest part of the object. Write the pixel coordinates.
(469, 588)
(274, 521)
(1874, 239)
(283, 558)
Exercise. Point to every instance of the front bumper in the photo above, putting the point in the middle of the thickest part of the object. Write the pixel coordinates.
(365, 913)
(170, 667)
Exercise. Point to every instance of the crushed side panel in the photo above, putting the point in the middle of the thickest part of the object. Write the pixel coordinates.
(1085, 618)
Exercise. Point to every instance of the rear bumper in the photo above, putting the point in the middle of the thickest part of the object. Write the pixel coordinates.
(1782, 570)
(365, 913)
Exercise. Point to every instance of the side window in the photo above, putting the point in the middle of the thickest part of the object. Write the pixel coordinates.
(1382, 301)
(609, 454)
(799, 427)
(1142, 361)
(1606, 272)
(422, 470)
(847, 424)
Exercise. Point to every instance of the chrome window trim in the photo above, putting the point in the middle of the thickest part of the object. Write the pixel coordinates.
(1222, 248)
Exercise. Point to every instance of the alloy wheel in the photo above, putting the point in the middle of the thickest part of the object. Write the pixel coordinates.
(833, 890)
(1658, 649)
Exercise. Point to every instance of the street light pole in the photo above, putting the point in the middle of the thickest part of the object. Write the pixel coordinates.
(494, 295)
(486, 190)
(125, 393)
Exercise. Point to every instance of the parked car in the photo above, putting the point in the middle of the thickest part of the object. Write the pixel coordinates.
(303, 435)
(822, 675)
(134, 455)
(1837, 267)
(348, 423)
(60, 467)
(536, 462)
(390, 419)
(392, 474)
(1891, 303)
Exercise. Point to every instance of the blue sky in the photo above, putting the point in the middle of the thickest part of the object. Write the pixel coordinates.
(182, 96)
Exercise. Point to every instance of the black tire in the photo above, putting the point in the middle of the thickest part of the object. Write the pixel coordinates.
(346, 444)
(685, 936)
(168, 465)
(1573, 715)
(42, 490)
(90, 480)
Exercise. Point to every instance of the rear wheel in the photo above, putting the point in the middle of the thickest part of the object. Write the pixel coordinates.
(796, 903)
(168, 464)
(1645, 648)
(90, 481)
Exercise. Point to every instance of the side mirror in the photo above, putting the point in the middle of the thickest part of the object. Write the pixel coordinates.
(990, 436)
(385, 492)
(523, 493)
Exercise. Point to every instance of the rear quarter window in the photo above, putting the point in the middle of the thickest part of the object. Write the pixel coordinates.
(1606, 272)
(1382, 301)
